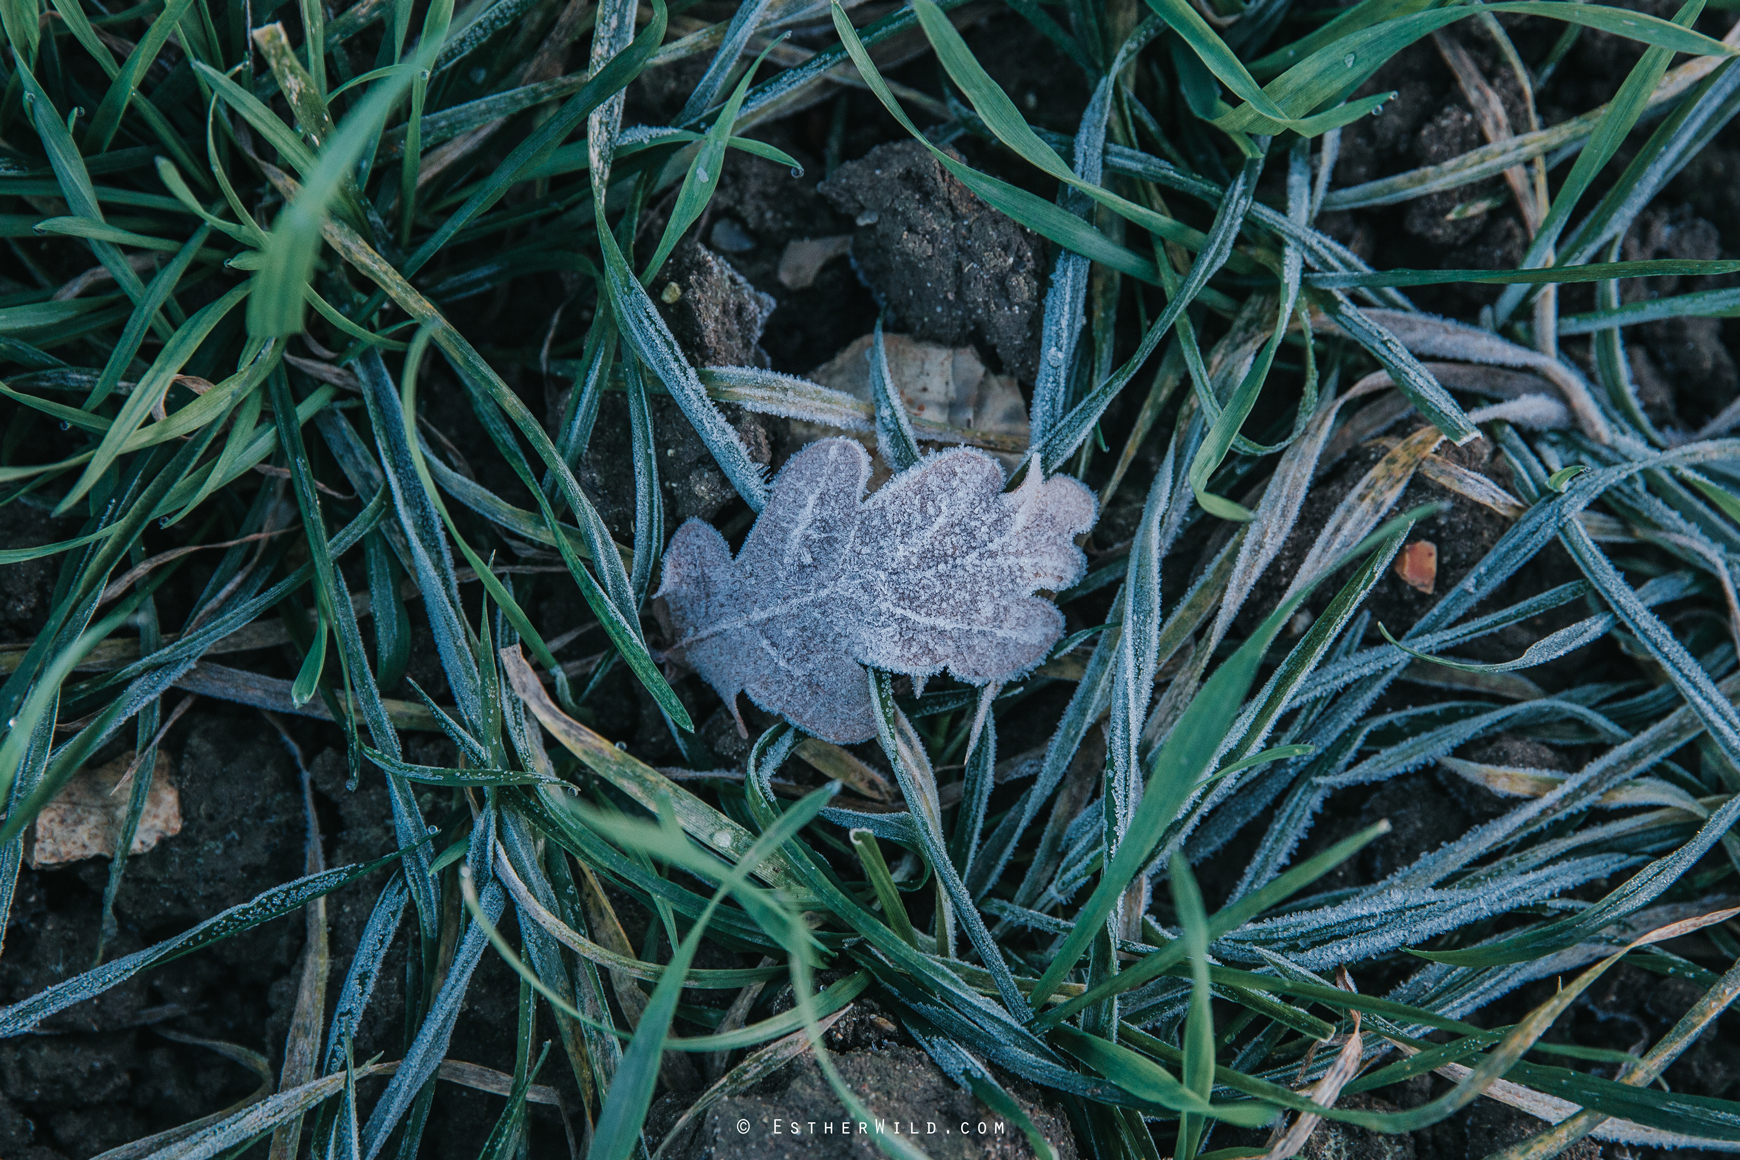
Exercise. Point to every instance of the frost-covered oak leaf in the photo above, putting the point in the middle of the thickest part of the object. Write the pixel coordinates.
(937, 569)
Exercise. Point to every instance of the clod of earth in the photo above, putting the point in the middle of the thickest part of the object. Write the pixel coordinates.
(950, 267)
(938, 569)
(713, 311)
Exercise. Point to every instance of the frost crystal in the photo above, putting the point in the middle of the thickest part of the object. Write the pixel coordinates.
(937, 569)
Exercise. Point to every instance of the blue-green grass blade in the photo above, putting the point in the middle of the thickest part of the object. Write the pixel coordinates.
(1362, 15)
(492, 584)
(1043, 217)
(702, 179)
(737, 34)
(1004, 121)
(263, 120)
(609, 594)
(1325, 76)
(338, 614)
(894, 437)
(280, 900)
(630, 1095)
(1142, 1077)
(1181, 763)
(74, 185)
(1199, 1024)
(80, 26)
(1196, 32)
(1223, 433)
(307, 681)
(1588, 272)
(45, 693)
(649, 510)
(436, 23)
(1723, 303)
(911, 771)
(71, 416)
(1411, 377)
(431, 559)
(1222, 922)
(72, 227)
(1068, 433)
(647, 334)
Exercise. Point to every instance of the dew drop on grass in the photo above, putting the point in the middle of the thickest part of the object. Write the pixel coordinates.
(1349, 59)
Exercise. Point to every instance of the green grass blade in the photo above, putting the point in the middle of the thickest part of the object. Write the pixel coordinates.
(302, 690)
(126, 81)
(702, 179)
(276, 307)
(1199, 1025)
(151, 388)
(133, 335)
(622, 68)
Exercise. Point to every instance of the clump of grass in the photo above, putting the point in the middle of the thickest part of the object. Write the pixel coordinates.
(221, 178)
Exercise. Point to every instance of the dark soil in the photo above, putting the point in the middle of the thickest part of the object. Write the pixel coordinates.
(100, 1074)
(795, 1112)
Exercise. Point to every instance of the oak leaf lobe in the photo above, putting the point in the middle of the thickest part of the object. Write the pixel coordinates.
(936, 570)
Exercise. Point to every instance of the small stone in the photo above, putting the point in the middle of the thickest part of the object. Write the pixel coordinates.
(673, 294)
(731, 238)
(948, 384)
(803, 259)
(86, 817)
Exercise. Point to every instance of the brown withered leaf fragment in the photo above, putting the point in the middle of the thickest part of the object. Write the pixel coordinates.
(1417, 565)
(937, 569)
(84, 820)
